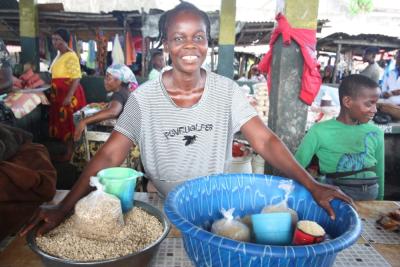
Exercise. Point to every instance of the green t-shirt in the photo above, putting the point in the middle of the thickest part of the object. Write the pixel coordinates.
(341, 147)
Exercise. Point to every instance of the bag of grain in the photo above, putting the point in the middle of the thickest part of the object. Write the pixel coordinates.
(98, 215)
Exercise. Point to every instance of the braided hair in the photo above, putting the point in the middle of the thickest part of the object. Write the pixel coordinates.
(165, 19)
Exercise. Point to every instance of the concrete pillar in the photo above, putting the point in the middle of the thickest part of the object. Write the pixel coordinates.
(29, 29)
(287, 113)
(226, 41)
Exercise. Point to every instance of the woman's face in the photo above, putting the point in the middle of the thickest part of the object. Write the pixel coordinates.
(186, 41)
(111, 83)
(58, 42)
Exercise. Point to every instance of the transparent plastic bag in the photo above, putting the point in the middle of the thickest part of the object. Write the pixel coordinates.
(230, 227)
(98, 215)
(282, 206)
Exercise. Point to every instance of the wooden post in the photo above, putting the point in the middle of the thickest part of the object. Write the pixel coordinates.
(337, 60)
(226, 38)
(287, 113)
(29, 30)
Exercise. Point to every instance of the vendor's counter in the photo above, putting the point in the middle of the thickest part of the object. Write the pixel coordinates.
(376, 247)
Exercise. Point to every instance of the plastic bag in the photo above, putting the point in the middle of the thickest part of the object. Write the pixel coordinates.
(282, 206)
(98, 215)
(231, 228)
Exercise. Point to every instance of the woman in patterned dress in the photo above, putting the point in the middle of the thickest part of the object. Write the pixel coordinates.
(67, 95)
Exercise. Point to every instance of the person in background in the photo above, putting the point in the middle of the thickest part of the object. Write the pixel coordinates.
(255, 75)
(391, 84)
(120, 80)
(157, 63)
(67, 95)
(184, 123)
(5, 69)
(372, 71)
(349, 149)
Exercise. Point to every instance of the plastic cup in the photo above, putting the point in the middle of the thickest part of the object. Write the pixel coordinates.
(300, 237)
(120, 182)
(272, 228)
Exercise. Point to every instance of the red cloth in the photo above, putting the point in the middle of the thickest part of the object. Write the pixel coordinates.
(305, 38)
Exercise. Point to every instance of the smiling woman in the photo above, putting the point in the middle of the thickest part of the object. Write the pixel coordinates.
(181, 101)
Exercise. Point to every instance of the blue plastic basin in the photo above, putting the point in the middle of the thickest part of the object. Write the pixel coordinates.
(194, 205)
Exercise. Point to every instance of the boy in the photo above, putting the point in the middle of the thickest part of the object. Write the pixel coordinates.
(349, 149)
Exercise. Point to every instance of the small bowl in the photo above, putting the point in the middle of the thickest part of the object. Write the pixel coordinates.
(138, 259)
(272, 228)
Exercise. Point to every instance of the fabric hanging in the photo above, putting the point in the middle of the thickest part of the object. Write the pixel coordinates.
(91, 56)
(130, 54)
(117, 52)
(101, 55)
(306, 39)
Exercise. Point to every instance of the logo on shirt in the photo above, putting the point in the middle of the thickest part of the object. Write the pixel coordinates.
(189, 139)
(188, 130)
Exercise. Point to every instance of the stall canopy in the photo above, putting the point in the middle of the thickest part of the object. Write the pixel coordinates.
(85, 25)
(357, 43)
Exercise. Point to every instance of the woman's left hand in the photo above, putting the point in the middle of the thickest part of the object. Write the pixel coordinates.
(325, 193)
(67, 100)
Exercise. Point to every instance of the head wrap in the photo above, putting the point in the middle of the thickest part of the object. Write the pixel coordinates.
(64, 34)
(124, 74)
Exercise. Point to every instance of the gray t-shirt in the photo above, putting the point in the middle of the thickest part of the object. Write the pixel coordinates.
(373, 71)
(178, 143)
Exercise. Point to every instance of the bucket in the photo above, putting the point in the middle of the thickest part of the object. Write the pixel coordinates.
(239, 165)
(257, 164)
(120, 182)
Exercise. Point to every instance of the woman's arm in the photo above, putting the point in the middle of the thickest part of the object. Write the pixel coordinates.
(71, 92)
(274, 151)
(112, 111)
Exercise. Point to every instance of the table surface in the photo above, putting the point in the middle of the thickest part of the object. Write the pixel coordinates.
(376, 247)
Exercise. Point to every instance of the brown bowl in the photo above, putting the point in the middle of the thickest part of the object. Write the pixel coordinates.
(137, 259)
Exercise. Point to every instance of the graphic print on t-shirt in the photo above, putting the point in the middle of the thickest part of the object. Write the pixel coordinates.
(355, 161)
(188, 133)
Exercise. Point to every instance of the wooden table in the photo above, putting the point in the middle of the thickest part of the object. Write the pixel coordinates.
(17, 253)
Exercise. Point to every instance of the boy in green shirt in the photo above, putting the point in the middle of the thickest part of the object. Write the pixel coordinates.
(349, 149)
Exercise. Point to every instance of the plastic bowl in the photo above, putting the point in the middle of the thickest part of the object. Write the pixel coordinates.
(193, 206)
(272, 228)
(138, 259)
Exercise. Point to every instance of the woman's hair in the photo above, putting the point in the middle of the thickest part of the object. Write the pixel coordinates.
(353, 84)
(165, 19)
(64, 34)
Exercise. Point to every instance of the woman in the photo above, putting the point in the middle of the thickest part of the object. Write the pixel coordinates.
(184, 122)
(67, 95)
(121, 81)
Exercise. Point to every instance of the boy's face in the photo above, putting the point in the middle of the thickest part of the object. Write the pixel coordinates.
(158, 62)
(362, 107)
(187, 42)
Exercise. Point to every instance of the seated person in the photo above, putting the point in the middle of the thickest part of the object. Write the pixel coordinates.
(349, 149)
(157, 63)
(391, 84)
(5, 69)
(121, 81)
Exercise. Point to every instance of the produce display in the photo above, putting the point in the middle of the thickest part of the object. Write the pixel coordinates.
(28, 80)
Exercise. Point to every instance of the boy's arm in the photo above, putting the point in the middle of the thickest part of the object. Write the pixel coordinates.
(380, 166)
(307, 148)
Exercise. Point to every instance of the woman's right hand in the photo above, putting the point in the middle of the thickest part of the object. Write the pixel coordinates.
(47, 217)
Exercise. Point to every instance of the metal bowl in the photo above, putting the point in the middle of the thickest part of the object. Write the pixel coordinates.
(137, 259)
